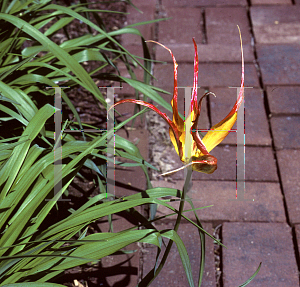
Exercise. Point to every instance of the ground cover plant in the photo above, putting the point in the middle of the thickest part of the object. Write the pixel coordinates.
(34, 250)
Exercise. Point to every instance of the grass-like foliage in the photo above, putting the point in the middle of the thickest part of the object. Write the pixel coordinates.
(30, 61)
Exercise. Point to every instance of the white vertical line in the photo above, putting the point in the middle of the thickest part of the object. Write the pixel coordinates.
(240, 151)
(110, 142)
(57, 145)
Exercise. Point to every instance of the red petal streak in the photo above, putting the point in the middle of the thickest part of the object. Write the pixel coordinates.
(152, 107)
(205, 163)
(196, 137)
(176, 118)
(194, 93)
(241, 94)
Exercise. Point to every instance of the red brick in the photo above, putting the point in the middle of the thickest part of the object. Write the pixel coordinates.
(279, 64)
(141, 3)
(120, 269)
(223, 43)
(210, 75)
(207, 52)
(271, 2)
(173, 273)
(297, 229)
(266, 15)
(256, 124)
(128, 263)
(289, 167)
(134, 17)
(221, 25)
(267, 204)
(260, 164)
(276, 24)
(224, 75)
(181, 29)
(289, 104)
(137, 50)
(199, 3)
(248, 244)
(286, 132)
(111, 271)
(255, 167)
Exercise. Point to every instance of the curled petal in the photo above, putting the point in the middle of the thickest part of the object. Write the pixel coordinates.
(176, 118)
(177, 139)
(173, 127)
(206, 163)
(199, 143)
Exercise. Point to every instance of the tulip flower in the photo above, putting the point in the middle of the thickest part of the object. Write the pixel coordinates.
(200, 158)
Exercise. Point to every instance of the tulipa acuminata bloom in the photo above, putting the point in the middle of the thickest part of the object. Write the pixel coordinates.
(200, 159)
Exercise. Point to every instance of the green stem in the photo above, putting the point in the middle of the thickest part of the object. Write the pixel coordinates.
(181, 206)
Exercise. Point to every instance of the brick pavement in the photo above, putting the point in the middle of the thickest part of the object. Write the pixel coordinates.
(267, 229)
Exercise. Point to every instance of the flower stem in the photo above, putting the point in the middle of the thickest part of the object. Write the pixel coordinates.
(180, 210)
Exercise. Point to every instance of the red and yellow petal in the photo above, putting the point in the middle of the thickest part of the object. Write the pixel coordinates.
(173, 129)
(205, 163)
(176, 118)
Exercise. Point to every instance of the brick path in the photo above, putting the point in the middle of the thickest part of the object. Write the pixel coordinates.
(268, 229)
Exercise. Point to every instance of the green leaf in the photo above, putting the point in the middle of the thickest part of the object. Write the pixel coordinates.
(172, 234)
(252, 277)
(33, 284)
(62, 55)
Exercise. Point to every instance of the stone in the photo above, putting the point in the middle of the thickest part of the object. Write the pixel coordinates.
(200, 3)
(134, 16)
(271, 2)
(257, 159)
(286, 131)
(226, 74)
(248, 244)
(218, 201)
(297, 231)
(180, 29)
(120, 269)
(173, 273)
(279, 64)
(211, 52)
(276, 24)
(284, 100)
(221, 25)
(289, 168)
